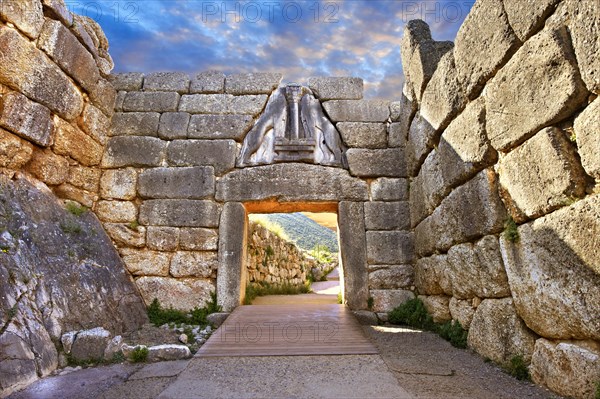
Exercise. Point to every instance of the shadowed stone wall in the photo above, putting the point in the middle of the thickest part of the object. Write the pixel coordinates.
(59, 270)
(504, 125)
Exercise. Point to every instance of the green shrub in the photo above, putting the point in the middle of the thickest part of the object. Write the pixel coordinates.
(76, 209)
(70, 227)
(517, 367)
(139, 354)
(339, 298)
(412, 313)
(453, 332)
(597, 395)
(511, 233)
(159, 316)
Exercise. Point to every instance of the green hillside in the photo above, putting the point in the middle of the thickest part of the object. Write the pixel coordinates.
(302, 230)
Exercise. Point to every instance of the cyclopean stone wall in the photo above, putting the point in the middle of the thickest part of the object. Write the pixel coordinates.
(59, 271)
(504, 124)
(273, 260)
(170, 171)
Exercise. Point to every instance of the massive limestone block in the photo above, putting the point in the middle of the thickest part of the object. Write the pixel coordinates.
(95, 123)
(116, 211)
(421, 139)
(462, 311)
(25, 68)
(569, 368)
(220, 154)
(387, 215)
(354, 259)
(231, 274)
(133, 151)
(14, 152)
(141, 262)
(476, 270)
(432, 276)
(386, 300)
(291, 183)
(162, 238)
(167, 81)
(73, 142)
(26, 15)
(104, 97)
(471, 211)
(64, 48)
(118, 184)
(420, 56)
(336, 88)
(357, 110)
(219, 126)
(27, 119)
(401, 114)
(57, 9)
(554, 272)
(498, 333)
(223, 104)
(389, 247)
(464, 148)
(50, 168)
(125, 235)
(484, 43)
(179, 213)
(137, 101)
(183, 294)
(85, 178)
(444, 96)
(252, 83)
(389, 162)
(191, 183)
(541, 175)
(130, 81)
(438, 307)
(587, 131)
(54, 265)
(135, 124)
(527, 18)
(208, 82)
(194, 264)
(389, 189)
(391, 277)
(198, 239)
(516, 108)
(585, 28)
(363, 135)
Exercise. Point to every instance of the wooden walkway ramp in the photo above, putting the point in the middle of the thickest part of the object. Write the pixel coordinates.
(288, 330)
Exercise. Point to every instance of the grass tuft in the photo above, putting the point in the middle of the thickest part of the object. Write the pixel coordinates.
(511, 233)
(412, 313)
(197, 316)
(597, 394)
(76, 209)
(453, 332)
(517, 367)
(139, 354)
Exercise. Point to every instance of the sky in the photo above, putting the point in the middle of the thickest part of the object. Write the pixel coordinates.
(299, 39)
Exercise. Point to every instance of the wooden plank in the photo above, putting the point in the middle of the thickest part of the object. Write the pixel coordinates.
(288, 330)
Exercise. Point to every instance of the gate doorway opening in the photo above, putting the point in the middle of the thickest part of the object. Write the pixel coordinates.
(290, 254)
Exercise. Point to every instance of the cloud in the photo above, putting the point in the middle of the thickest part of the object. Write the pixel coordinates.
(297, 38)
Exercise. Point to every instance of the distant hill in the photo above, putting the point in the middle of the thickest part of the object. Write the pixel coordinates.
(302, 230)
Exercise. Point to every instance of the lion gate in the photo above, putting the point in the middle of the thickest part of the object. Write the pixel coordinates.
(190, 158)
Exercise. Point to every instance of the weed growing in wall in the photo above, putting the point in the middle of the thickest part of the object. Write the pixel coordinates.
(511, 233)
(453, 332)
(197, 316)
(75, 209)
(370, 302)
(597, 395)
(517, 367)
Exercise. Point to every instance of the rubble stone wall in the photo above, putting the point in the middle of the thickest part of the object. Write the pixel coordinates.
(503, 149)
(273, 260)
